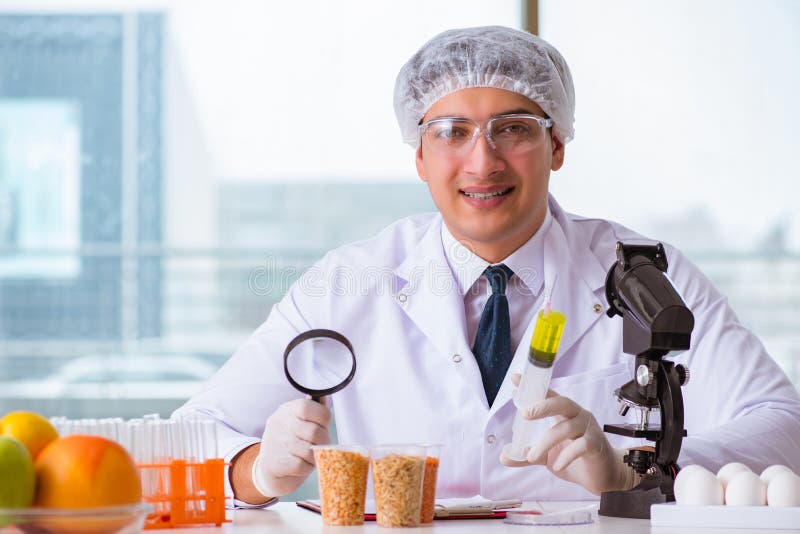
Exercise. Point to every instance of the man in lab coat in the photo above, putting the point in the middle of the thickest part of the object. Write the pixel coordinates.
(488, 112)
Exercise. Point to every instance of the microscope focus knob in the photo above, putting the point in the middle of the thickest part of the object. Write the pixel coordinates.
(683, 374)
(644, 375)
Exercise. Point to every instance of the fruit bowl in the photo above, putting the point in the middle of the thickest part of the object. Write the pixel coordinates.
(106, 520)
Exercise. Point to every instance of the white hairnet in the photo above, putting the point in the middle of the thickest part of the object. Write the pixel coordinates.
(487, 56)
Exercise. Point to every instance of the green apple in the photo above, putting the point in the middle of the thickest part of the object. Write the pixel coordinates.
(17, 474)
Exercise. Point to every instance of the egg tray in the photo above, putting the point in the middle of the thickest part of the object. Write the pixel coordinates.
(722, 516)
(184, 493)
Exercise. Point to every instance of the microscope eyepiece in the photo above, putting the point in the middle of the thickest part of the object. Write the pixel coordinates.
(655, 318)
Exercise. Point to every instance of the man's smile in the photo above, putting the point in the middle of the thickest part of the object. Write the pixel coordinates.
(486, 197)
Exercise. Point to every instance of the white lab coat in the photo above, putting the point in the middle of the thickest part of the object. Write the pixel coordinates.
(394, 297)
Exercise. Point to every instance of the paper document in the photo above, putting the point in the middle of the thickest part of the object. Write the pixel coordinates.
(472, 507)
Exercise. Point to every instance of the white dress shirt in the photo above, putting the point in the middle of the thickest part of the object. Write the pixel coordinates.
(523, 289)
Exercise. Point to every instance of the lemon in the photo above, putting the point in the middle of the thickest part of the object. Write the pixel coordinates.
(31, 429)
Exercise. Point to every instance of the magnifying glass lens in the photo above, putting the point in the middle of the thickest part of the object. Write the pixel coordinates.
(319, 362)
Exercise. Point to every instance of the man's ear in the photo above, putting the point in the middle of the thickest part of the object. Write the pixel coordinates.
(420, 166)
(558, 154)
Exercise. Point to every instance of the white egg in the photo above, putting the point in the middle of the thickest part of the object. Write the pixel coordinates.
(698, 487)
(770, 472)
(746, 489)
(784, 489)
(728, 471)
(683, 475)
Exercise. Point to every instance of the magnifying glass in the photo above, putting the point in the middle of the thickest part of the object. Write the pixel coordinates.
(319, 362)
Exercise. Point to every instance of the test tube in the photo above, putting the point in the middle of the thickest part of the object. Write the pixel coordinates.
(208, 431)
(59, 423)
(124, 434)
(192, 454)
(135, 436)
(87, 426)
(105, 429)
(178, 450)
(163, 458)
(535, 379)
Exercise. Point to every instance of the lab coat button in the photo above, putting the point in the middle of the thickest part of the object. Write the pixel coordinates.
(457, 358)
(597, 308)
(402, 297)
(491, 439)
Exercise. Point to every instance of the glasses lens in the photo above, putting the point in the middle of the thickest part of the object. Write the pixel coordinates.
(448, 135)
(516, 134)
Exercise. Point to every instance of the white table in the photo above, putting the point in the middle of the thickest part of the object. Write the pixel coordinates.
(288, 518)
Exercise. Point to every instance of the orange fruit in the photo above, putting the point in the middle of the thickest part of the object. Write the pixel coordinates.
(33, 430)
(86, 472)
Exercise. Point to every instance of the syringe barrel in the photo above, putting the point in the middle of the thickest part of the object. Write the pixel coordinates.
(532, 387)
(535, 379)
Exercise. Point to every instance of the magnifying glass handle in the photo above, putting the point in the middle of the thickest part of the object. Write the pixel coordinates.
(317, 398)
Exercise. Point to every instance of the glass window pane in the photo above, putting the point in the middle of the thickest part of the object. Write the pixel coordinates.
(686, 131)
(186, 181)
(39, 187)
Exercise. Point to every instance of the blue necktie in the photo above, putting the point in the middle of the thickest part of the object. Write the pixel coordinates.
(493, 341)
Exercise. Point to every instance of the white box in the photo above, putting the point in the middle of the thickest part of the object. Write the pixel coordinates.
(766, 517)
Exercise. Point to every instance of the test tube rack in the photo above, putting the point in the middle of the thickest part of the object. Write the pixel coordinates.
(184, 493)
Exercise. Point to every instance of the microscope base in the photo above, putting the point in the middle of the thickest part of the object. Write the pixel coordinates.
(635, 503)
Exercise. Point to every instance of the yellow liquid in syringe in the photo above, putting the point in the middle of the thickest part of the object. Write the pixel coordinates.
(535, 379)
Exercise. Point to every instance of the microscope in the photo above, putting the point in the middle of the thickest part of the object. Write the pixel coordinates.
(655, 321)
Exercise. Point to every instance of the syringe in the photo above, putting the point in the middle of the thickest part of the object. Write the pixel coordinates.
(535, 379)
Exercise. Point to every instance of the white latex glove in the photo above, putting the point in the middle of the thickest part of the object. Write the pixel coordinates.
(286, 458)
(575, 448)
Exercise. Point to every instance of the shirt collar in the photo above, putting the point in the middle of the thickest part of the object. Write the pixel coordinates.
(527, 261)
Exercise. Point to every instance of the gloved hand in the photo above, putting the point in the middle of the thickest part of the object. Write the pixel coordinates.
(286, 459)
(575, 448)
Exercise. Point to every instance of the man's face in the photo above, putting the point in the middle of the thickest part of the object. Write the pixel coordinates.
(493, 227)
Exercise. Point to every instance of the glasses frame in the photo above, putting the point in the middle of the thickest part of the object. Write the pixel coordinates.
(485, 129)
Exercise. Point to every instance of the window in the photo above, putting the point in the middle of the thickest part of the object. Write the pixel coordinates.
(39, 186)
(686, 131)
(184, 187)
(169, 197)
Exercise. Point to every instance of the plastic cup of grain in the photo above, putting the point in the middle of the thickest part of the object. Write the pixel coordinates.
(427, 507)
(342, 474)
(397, 475)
